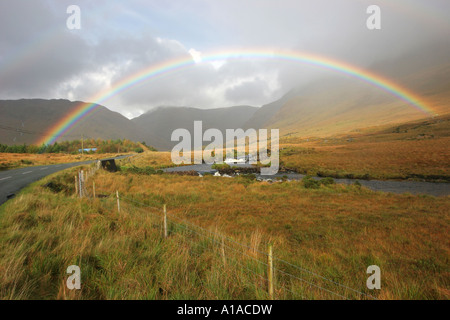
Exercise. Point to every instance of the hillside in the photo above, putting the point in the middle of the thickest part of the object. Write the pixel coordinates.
(33, 117)
(412, 150)
(341, 104)
(27, 120)
(156, 126)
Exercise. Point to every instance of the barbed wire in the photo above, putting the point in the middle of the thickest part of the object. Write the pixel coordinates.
(235, 261)
(239, 252)
(185, 225)
(263, 253)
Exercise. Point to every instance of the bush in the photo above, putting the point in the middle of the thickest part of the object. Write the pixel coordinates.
(139, 150)
(221, 166)
(138, 170)
(327, 181)
(310, 183)
(249, 176)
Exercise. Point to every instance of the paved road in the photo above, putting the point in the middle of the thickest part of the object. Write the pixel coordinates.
(12, 181)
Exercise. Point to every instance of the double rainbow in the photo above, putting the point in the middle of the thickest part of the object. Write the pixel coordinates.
(84, 109)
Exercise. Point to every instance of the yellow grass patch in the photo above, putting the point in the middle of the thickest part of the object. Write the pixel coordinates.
(415, 150)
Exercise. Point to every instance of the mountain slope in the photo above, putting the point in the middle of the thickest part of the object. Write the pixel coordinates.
(27, 120)
(340, 104)
(156, 126)
(33, 117)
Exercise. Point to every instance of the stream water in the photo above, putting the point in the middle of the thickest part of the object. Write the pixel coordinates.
(413, 187)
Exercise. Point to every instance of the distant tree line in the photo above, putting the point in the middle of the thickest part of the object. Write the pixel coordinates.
(75, 146)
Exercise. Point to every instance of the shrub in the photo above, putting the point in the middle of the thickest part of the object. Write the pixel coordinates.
(138, 170)
(310, 183)
(221, 166)
(327, 181)
(249, 176)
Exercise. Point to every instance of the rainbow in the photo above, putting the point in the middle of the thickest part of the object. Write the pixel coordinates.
(84, 109)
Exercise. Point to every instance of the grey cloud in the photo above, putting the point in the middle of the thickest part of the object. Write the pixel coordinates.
(247, 91)
(39, 57)
(38, 54)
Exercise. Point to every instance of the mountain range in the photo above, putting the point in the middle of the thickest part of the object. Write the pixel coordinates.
(28, 120)
(335, 105)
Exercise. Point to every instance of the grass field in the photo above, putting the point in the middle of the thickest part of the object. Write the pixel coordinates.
(219, 229)
(153, 159)
(415, 150)
(335, 231)
(20, 160)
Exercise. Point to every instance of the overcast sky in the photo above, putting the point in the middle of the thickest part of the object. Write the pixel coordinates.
(41, 58)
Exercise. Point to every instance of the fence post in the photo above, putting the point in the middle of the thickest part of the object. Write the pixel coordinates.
(80, 181)
(270, 262)
(165, 221)
(93, 188)
(118, 201)
(85, 177)
(76, 185)
(223, 253)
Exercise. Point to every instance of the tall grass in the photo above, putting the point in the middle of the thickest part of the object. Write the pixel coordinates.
(18, 160)
(324, 240)
(416, 150)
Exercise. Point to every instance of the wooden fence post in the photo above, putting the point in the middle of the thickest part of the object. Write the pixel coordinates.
(83, 183)
(165, 222)
(118, 201)
(270, 275)
(80, 182)
(223, 253)
(93, 188)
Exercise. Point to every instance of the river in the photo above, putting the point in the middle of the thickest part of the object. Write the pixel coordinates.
(413, 187)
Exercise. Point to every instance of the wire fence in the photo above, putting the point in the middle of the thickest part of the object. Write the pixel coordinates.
(291, 281)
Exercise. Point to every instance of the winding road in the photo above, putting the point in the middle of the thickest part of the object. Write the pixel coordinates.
(12, 181)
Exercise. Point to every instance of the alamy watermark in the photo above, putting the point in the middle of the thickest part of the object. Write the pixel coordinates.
(373, 22)
(74, 280)
(73, 22)
(237, 149)
(374, 281)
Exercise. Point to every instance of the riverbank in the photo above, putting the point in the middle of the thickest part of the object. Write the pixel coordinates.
(413, 187)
